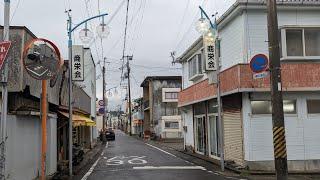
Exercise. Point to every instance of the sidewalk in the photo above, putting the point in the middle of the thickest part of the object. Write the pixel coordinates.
(88, 160)
(178, 150)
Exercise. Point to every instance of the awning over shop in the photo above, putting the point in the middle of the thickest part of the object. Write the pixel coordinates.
(78, 120)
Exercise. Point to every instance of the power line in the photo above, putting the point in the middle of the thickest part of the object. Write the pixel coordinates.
(138, 25)
(155, 67)
(14, 11)
(190, 27)
(124, 40)
(181, 22)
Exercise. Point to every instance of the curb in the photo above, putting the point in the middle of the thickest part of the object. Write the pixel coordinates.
(237, 171)
(85, 162)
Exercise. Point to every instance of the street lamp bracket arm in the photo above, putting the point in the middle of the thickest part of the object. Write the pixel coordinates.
(213, 26)
(94, 17)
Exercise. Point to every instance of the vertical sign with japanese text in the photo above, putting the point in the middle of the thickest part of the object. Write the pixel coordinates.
(77, 63)
(209, 55)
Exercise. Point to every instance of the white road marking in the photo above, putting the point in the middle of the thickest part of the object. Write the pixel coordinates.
(93, 166)
(168, 167)
(90, 170)
(160, 150)
(188, 162)
(120, 160)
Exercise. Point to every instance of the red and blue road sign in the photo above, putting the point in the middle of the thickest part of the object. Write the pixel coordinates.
(259, 63)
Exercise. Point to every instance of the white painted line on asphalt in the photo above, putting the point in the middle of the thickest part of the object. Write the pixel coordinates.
(93, 166)
(160, 150)
(107, 144)
(90, 170)
(169, 167)
(188, 162)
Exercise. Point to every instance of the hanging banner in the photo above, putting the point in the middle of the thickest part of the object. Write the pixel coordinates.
(77, 63)
(209, 55)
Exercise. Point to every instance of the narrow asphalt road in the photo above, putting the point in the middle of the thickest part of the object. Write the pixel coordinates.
(127, 158)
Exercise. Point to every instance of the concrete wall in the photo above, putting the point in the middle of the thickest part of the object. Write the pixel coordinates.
(160, 108)
(171, 133)
(24, 146)
(302, 134)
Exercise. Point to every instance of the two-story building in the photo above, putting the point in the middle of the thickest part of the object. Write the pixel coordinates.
(246, 114)
(161, 114)
(23, 145)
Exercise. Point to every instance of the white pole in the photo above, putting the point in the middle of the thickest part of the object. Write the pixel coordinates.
(4, 81)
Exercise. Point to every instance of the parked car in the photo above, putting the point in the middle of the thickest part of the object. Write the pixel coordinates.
(110, 135)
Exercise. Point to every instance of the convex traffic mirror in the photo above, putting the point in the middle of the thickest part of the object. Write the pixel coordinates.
(42, 59)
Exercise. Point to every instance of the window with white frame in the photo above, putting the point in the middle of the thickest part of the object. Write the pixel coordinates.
(170, 94)
(171, 125)
(300, 43)
(195, 66)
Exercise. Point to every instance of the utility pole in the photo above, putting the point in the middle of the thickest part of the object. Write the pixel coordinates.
(4, 81)
(129, 94)
(279, 139)
(70, 93)
(103, 95)
(104, 100)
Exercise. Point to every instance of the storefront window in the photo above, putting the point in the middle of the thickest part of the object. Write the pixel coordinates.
(200, 108)
(171, 125)
(212, 106)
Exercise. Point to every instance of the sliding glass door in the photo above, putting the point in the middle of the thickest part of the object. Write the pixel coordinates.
(213, 136)
(200, 133)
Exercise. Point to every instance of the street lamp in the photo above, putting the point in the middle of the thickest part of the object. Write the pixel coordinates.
(86, 36)
(103, 30)
(210, 36)
(203, 26)
(209, 31)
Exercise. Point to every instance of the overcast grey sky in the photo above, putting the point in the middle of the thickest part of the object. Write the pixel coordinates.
(155, 28)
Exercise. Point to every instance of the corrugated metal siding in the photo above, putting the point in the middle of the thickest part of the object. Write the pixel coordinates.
(233, 133)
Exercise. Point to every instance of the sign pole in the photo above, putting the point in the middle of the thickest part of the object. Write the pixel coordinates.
(4, 102)
(43, 129)
(279, 140)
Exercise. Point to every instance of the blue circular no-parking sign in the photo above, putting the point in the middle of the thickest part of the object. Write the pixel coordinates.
(259, 63)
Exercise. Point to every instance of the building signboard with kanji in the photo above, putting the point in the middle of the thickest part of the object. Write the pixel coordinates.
(77, 63)
(209, 56)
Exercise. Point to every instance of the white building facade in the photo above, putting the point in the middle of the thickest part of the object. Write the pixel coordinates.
(246, 116)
